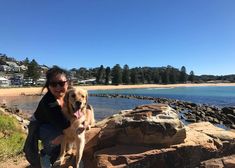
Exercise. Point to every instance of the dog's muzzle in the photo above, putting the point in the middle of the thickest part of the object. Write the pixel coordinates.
(77, 112)
(78, 104)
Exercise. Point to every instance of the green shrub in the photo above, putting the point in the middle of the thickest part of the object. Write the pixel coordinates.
(12, 137)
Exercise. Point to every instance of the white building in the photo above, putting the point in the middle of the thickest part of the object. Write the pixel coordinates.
(87, 81)
(41, 81)
(5, 68)
(4, 82)
(14, 66)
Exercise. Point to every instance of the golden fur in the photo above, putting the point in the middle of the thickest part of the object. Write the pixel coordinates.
(81, 117)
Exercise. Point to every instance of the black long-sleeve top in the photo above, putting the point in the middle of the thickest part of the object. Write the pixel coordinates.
(49, 111)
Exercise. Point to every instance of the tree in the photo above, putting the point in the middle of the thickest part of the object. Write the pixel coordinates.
(26, 61)
(107, 75)
(82, 73)
(134, 76)
(183, 75)
(33, 70)
(165, 75)
(147, 75)
(100, 77)
(156, 76)
(141, 75)
(126, 75)
(173, 73)
(117, 75)
(191, 76)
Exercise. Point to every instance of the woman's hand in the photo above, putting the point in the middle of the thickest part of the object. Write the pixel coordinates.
(57, 140)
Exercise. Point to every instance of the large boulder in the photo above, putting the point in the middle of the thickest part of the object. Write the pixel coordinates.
(198, 146)
(155, 125)
(132, 132)
(153, 136)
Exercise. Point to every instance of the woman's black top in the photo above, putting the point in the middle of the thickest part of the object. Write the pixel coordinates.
(50, 112)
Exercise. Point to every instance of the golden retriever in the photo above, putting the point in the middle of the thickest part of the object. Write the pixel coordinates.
(81, 117)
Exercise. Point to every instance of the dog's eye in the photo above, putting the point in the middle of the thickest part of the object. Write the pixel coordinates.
(83, 96)
(73, 95)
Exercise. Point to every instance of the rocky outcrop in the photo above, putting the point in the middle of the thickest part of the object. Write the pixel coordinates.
(189, 112)
(226, 162)
(152, 136)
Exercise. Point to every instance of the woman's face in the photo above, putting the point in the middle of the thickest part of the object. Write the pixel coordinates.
(58, 85)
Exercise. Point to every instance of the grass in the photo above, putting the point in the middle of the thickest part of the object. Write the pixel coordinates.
(12, 137)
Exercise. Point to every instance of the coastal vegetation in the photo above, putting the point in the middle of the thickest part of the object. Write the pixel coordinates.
(12, 137)
(115, 75)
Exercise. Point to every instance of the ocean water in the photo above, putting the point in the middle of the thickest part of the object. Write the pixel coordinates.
(220, 96)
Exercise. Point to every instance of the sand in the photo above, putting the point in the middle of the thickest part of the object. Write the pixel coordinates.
(37, 90)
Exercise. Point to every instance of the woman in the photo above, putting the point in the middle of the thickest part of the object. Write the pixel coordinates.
(50, 117)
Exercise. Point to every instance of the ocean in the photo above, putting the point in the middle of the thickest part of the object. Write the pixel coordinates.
(220, 96)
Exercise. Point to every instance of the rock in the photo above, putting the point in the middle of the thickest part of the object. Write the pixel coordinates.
(155, 124)
(140, 138)
(150, 136)
(229, 110)
(212, 131)
(198, 146)
(224, 162)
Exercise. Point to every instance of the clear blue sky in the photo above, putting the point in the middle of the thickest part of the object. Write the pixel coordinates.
(197, 34)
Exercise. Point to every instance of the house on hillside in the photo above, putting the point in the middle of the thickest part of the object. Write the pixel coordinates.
(14, 67)
(5, 68)
(23, 67)
(41, 81)
(4, 82)
(16, 79)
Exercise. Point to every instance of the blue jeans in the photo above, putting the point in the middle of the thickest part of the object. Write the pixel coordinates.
(47, 133)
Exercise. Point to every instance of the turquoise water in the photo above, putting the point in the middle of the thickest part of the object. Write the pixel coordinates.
(217, 96)
(213, 95)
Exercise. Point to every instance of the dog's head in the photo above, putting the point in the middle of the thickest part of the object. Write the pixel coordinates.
(75, 101)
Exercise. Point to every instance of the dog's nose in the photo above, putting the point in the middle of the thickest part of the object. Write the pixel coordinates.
(78, 104)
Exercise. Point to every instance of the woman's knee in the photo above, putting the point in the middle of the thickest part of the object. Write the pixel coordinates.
(46, 134)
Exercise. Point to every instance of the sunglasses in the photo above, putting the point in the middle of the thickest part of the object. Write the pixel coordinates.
(55, 84)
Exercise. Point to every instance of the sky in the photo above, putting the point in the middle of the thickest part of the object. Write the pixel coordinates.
(197, 34)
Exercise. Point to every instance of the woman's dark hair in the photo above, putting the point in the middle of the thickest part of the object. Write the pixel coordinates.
(51, 73)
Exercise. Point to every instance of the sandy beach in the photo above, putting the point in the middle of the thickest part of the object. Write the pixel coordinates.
(37, 90)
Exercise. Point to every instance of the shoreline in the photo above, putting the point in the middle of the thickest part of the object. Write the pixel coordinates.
(37, 90)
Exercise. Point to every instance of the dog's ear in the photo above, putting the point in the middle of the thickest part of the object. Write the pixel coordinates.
(66, 96)
(66, 99)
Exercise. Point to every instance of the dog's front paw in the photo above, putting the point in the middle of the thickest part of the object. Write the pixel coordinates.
(59, 162)
(88, 127)
(62, 161)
